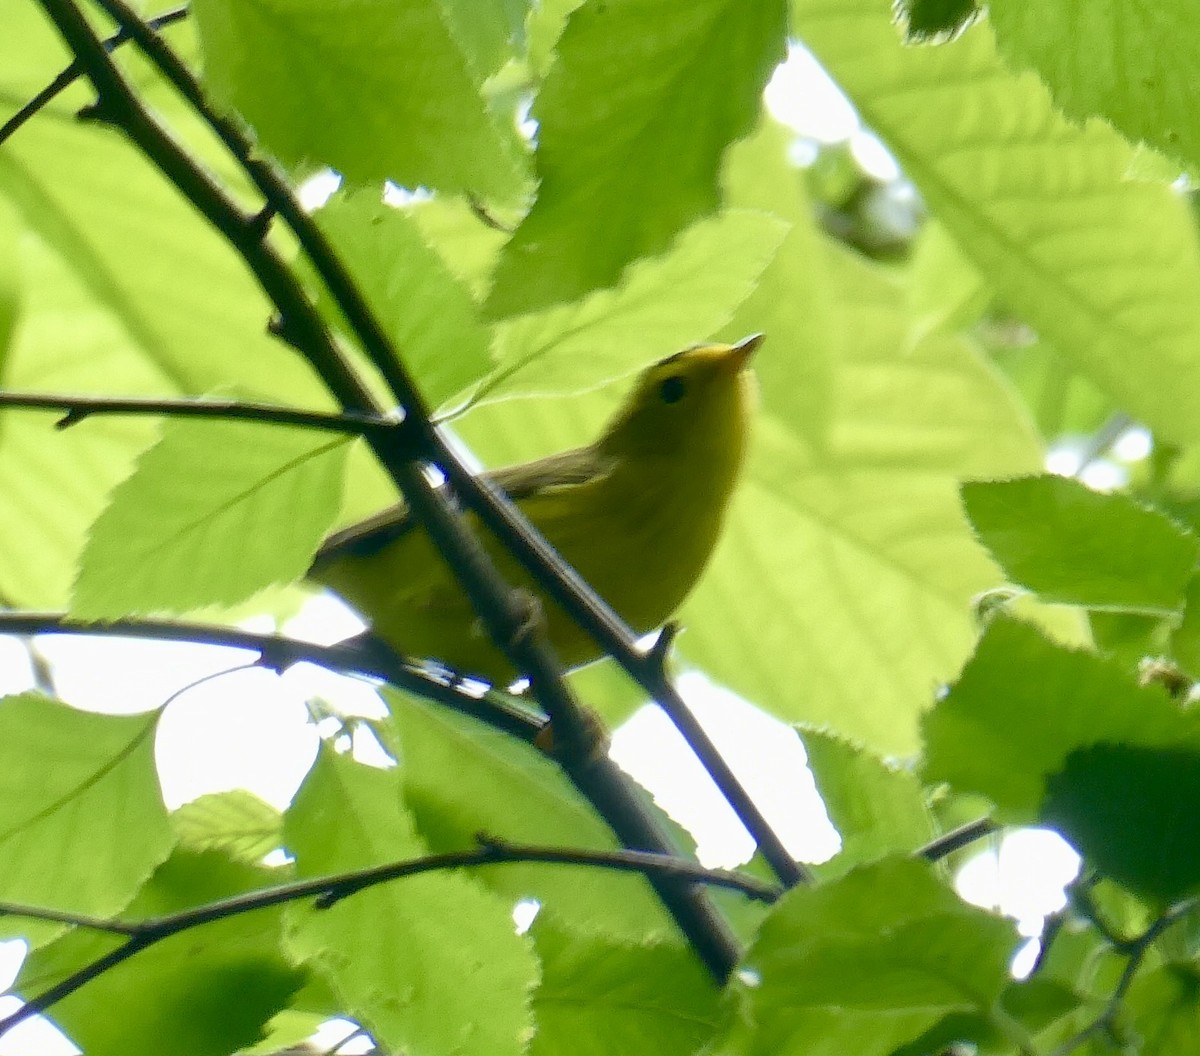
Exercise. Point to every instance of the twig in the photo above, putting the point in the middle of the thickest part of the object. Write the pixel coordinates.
(584, 756)
(328, 890)
(481, 214)
(361, 656)
(358, 1032)
(1102, 439)
(574, 731)
(62, 916)
(1079, 896)
(79, 408)
(955, 840)
(1136, 951)
(622, 861)
(73, 72)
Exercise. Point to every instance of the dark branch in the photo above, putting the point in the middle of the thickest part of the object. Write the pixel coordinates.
(61, 916)
(79, 408)
(73, 72)
(955, 840)
(494, 851)
(1136, 951)
(481, 214)
(328, 890)
(363, 656)
(1080, 899)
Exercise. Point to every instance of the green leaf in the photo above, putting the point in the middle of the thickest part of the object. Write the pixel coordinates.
(429, 963)
(82, 822)
(659, 307)
(10, 280)
(467, 244)
(599, 996)
(487, 31)
(513, 791)
(1131, 61)
(427, 312)
(608, 690)
(214, 512)
(207, 992)
(1038, 1002)
(373, 89)
(30, 49)
(867, 963)
(127, 291)
(287, 1032)
(1062, 400)
(926, 20)
(1073, 545)
(545, 24)
(1043, 208)
(1129, 636)
(1126, 809)
(236, 822)
(944, 287)
(1035, 1004)
(844, 543)
(154, 300)
(1022, 705)
(791, 301)
(877, 809)
(1162, 1007)
(630, 139)
(1185, 639)
(863, 565)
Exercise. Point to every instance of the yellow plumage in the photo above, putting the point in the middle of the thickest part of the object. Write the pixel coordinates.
(637, 514)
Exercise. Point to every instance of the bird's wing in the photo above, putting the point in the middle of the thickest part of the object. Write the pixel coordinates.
(373, 534)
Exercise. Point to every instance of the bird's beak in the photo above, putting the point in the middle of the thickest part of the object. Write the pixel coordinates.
(739, 354)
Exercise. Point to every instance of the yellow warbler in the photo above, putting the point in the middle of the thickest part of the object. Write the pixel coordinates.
(636, 513)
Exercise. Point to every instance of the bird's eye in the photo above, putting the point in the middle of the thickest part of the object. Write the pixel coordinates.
(672, 389)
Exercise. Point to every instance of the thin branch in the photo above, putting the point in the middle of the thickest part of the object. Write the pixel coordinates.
(659, 652)
(582, 754)
(481, 214)
(1136, 951)
(574, 731)
(80, 408)
(74, 72)
(327, 891)
(358, 1032)
(62, 916)
(1079, 897)
(1102, 440)
(362, 656)
(74, 982)
(621, 861)
(203, 680)
(955, 840)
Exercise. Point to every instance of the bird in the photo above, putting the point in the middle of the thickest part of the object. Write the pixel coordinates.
(637, 513)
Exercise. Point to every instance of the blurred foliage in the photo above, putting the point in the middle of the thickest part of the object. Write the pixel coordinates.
(961, 558)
